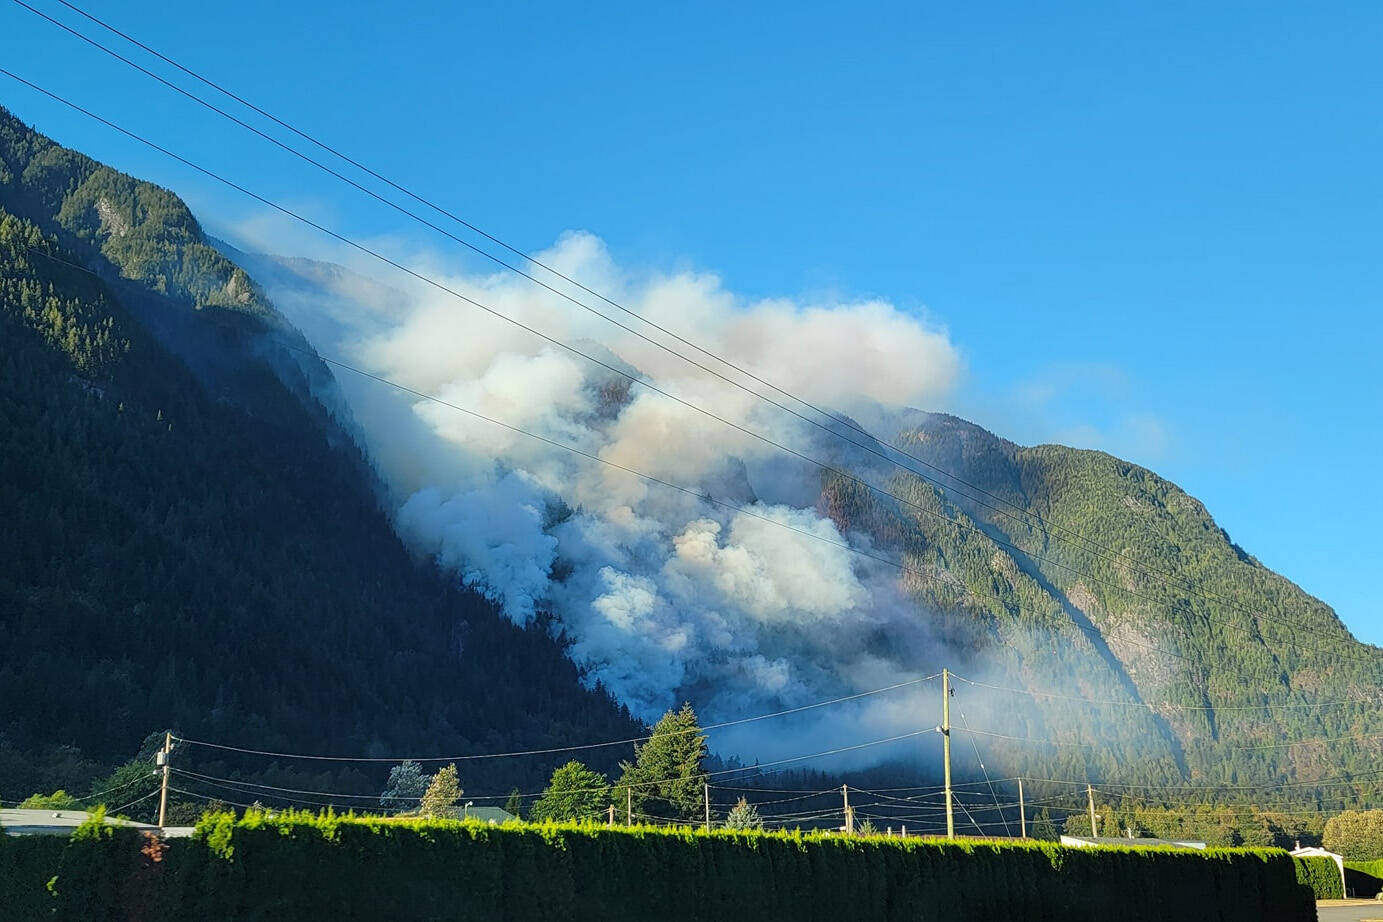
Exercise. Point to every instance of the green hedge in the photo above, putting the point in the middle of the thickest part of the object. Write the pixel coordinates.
(344, 868)
(26, 866)
(1322, 875)
(1364, 878)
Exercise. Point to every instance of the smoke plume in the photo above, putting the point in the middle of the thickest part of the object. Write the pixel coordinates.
(661, 596)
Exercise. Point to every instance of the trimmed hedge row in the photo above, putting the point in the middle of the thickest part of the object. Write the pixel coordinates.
(1322, 875)
(1364, 878)
(26, 866)
(345, 868)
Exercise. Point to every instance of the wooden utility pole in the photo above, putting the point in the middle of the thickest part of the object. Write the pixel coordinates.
(849, 814)
(946, 747)
(612, 816)
(629, 806)
(706, 792)
(1022, 812)
(1090, 797)
(163, 790)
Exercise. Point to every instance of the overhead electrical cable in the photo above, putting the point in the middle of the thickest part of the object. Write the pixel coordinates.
(558, 749)
(1022, 739)
(1373, 737)
(117, 810)
(835, 420)
(1155, 706)
(637, 784)
(995, 794)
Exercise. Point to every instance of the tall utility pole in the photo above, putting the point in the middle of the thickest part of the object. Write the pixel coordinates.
(1090, 797)
(612, 816)
(946, 747)
(706, 792)
(629, 806)
(849, 814)
(163, 790)
(1022, 812)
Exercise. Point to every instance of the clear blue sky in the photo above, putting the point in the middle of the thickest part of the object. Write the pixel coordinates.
(1153, 230)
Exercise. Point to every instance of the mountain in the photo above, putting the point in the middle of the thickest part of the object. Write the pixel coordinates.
(1050, 562)
(192, 537)
(189, 538)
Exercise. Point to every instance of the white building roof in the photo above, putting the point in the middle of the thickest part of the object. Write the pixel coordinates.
(18, 822)
(1088, 841)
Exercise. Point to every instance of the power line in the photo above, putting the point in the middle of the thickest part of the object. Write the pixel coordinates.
(233, 803)
(814, 755)
(616, 786)
(532, 752)
(1021, 739)
(334, 799)
(119, 787)
(1087, 544)
(1311, 742)
(1336, 781)
(270, 787)
(966, 725)
(116, 811)
(1155, 706)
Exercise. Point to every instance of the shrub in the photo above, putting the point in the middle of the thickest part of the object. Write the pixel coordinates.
(301, 866)
(1322, 875)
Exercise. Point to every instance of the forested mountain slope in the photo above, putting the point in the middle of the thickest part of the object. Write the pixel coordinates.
(1076, 573)
(188, 539)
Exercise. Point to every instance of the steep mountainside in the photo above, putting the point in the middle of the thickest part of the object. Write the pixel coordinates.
(189, 539)
(1076, 564)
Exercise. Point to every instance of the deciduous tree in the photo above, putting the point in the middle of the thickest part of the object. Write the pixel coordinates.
(443, 793)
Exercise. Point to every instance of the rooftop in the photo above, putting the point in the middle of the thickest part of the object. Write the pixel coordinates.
(1087, 841)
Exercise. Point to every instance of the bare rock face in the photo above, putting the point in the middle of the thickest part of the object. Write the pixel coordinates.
(112, 221)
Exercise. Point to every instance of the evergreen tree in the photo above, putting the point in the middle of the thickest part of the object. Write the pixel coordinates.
(574, 793)
(743, 815)
(406, 787)
(1043, 828)
(514, 805)
(666, 777)
(443, 793)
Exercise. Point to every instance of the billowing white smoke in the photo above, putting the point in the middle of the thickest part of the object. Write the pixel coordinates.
(661, 595)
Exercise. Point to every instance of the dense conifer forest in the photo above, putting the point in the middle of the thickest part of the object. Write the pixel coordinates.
(191, 540)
